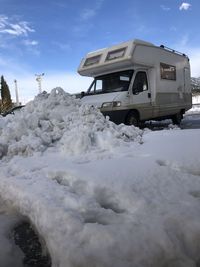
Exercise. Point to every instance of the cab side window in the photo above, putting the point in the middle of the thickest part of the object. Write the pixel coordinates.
(96, 87)
(140, 83)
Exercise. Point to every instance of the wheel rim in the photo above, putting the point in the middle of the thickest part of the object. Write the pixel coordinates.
(132, 120)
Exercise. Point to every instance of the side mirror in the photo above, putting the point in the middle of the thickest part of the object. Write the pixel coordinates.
(135, 91)
(82, 94)
(138, 89)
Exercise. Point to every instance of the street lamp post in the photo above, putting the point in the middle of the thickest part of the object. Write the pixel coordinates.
(39, 80)
(16, 93)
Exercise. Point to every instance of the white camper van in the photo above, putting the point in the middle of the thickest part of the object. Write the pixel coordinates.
(137, 81)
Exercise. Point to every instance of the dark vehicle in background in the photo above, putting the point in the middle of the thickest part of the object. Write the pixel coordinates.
(12, 110)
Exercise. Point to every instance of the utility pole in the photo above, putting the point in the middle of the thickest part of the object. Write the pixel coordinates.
(16, 93)
(39, 80)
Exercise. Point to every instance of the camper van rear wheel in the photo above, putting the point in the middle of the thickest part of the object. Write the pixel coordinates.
(132, 119)
(176, 119)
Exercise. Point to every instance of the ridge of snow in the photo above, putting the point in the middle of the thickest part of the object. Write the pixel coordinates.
(59, 120)
(99, 194)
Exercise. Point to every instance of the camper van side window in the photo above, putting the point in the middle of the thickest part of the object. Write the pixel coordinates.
(167, 72)
(140, 83)
(96, 87)
(92, 60)
(116, 54)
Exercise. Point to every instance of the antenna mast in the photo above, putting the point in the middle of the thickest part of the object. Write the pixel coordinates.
(39, 80)
(16, 93)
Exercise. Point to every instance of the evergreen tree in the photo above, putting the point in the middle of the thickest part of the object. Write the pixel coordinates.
(6, 102)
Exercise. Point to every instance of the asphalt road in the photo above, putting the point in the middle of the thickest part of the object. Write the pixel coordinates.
(191, 120)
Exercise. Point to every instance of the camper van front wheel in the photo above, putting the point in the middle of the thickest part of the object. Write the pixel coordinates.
(176, 119)
(132, 119)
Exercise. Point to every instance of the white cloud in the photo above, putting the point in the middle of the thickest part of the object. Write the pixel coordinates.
(3, 20)
(14, 27)
(87, 14)
(60, 4)
(184, 41)
(31, 46)
(99, 4)
(62, 46)
(165, 8)
(185, 6)
(30, 42)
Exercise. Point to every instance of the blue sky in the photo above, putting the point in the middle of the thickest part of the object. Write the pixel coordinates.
(52, 36)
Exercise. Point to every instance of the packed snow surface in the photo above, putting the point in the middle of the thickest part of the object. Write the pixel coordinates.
(196, 99)
(100, 194)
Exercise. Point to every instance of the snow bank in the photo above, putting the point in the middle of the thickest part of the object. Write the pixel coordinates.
(196, 99)
(136, 205)
(58, 120)
(10, 254)
(194, 110)
(196, 106)
(124, 211)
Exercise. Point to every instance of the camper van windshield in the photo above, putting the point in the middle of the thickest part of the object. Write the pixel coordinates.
(113, 82)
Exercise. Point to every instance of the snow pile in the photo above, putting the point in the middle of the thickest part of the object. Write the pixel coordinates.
(196, 106)
(193, 110)
(10, 254)
(129, 210)
(59, 118)
(137, 208)
(196, 99)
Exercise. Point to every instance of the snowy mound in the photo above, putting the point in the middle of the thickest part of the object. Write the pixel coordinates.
(196, 99)
(138, 208)
(58, 120)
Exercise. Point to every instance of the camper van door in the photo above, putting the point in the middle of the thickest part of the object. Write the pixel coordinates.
(140, 94)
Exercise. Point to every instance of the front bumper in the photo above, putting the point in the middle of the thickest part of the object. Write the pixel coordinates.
(117, 116)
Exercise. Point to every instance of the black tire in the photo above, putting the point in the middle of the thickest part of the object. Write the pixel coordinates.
(176, 119)
(132, 119)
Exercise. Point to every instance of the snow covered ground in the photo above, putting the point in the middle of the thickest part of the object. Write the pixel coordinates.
(196, 99)
(100, 194)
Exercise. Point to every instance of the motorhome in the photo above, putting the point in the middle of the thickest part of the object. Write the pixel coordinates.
(137, 81)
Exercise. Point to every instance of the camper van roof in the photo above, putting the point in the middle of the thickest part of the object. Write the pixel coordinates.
(103, 59)
(138, 41)
(122, 56)
(135, 41)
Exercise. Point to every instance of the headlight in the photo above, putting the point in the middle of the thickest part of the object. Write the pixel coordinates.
(113, 104)
(107, 105)
(116, 104)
